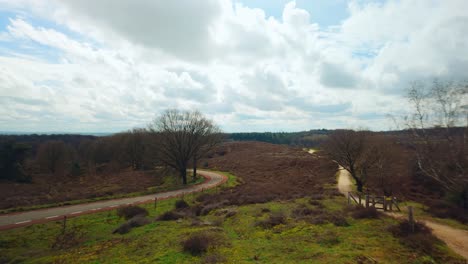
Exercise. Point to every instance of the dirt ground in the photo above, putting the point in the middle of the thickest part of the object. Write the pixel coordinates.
(47, 189)
(271, 172)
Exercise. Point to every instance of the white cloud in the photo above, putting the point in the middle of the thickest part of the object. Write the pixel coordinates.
(120, 63)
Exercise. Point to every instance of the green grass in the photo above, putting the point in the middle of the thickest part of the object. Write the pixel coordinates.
(159, 242)
(170, 184)
(232, 180)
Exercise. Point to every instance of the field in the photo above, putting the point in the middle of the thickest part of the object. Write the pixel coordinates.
(49, 190)
(279, 206)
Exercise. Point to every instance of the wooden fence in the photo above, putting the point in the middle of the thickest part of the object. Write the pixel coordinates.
(378, 202)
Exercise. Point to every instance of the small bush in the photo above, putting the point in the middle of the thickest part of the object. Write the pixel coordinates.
(215, 258)
(302, 211)
(361, 212)
(316, 203)
(129, 212)
(210, 207)
(227, 212)
(403, 229)
(170, 215)
(273, 220)
(122, 229)
(198, 243)
(328, 238)
(136, 221)
(316, 196)
(338, 220)
(447, 210)
(421, 239)
(180, 204)
(68, 238)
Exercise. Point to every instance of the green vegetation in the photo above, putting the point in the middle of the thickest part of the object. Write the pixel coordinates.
(312, 138)
(239, 238)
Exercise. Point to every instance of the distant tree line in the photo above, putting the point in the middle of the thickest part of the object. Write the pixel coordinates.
(311, 139)
(176, 139)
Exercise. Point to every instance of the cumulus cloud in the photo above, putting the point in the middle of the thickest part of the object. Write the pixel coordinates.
(107, 65)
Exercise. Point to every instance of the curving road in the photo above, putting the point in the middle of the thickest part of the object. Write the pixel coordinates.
(14, 220)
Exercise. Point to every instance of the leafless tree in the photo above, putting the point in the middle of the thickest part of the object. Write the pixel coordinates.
(389, 173)
(371, 159)
(350, 149)
(439, 130)
(183, 136)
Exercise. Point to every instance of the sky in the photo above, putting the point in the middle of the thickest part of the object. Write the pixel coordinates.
(258, 65)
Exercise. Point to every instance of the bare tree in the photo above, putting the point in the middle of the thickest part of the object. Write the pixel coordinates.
(351, 150)
(439, 132)
(389, 173)
(372, 159)
(183, 136)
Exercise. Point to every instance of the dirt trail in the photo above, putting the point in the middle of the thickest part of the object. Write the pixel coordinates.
(456, 239)
(344, 182)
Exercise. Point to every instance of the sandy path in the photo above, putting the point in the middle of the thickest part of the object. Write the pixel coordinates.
(344, 182)
(13, 220)
(456, 239)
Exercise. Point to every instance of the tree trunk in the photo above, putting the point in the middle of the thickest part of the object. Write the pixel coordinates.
(359, 186)
(194, 169)
(183, 174)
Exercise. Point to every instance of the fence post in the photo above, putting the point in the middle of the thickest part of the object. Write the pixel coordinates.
(411, 218)
(359, 199)
(64, 224)
(349, 198)
(367, 200)
(385, 203)
(155, 202)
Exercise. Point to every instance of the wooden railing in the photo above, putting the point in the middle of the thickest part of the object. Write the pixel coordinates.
(385, 203)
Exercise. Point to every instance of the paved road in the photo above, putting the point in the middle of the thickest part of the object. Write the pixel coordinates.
(13, 220)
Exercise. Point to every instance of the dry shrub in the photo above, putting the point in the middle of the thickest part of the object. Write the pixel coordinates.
(338, 220)
(316, 203)
(68, 238)
(318, 216)
(210, 207)
(316, 196)
(403, 229)
(180, 204)
(136, 221)
(129, 212)
(328, 238)
(198, 243)
(446, 210)
(302, 210)
(361, 212)
(227, 212)
(421, 239)
(171, 215)
(273, 220)
(214, 258)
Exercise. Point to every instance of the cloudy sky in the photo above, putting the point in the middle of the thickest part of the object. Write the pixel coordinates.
(261, 65)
